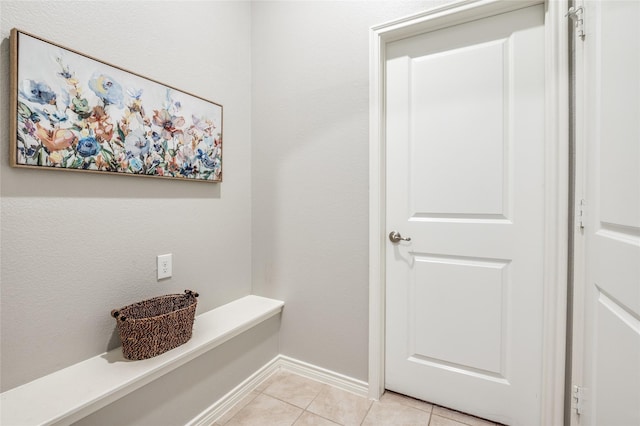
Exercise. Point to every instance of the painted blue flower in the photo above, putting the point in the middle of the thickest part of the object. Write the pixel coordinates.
(154, 163)
(29, 152)
(38, 92)
(66, 72)
(208, 162)
(54, 117)
(134, 93)
(209, 141)
(136, 143)
(135, 164)
(107, 89)
(88, 146)
(186, 169)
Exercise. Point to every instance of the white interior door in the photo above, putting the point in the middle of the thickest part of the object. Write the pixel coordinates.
(607, 338)
(465, 181)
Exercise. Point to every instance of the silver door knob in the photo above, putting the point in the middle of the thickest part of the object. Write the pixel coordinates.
(395, 237)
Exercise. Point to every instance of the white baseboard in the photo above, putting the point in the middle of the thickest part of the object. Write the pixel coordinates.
(310, 371)
(224, 404)
(323, 375)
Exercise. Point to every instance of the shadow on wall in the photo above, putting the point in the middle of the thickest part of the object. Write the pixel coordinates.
(17, 182)
(114, 340)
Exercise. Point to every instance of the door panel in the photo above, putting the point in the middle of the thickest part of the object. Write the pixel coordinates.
(611, 96)
(465, 180)
(437, 285)
(443, 148)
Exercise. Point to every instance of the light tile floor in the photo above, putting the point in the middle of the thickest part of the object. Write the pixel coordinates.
(289, 399)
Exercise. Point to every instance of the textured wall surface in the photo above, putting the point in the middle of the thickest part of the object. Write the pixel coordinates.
(310, 144)
(74, 246)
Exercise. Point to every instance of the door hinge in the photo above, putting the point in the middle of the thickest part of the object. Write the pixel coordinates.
(577, 400)
(582, 214)
(576, 14)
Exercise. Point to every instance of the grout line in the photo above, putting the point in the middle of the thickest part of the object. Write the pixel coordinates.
(322, 385)
(325, 386)
(367, 413)
(323, 417)
(298, 418)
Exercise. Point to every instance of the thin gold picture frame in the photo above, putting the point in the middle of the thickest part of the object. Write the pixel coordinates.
(73, 112)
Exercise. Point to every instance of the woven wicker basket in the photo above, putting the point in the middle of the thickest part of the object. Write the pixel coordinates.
(154, 326)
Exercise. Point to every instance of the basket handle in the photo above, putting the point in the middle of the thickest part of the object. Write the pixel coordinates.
(115, 313)
(191, 293)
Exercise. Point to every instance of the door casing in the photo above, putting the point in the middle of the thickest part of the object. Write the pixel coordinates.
(556, 183)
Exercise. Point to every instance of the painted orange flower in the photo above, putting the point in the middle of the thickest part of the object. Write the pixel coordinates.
(99, 122)
(100, 163)
(56, 139)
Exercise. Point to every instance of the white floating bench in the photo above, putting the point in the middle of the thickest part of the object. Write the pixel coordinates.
(77, 391)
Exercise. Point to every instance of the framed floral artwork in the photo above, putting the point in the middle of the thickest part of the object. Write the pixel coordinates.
(74, 112)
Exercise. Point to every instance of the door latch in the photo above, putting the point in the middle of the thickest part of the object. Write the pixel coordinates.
(395, 237)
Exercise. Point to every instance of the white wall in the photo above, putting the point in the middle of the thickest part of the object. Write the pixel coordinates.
(310, 172)
(74, 246)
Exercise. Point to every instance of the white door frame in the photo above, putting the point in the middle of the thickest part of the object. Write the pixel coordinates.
(556, 183)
